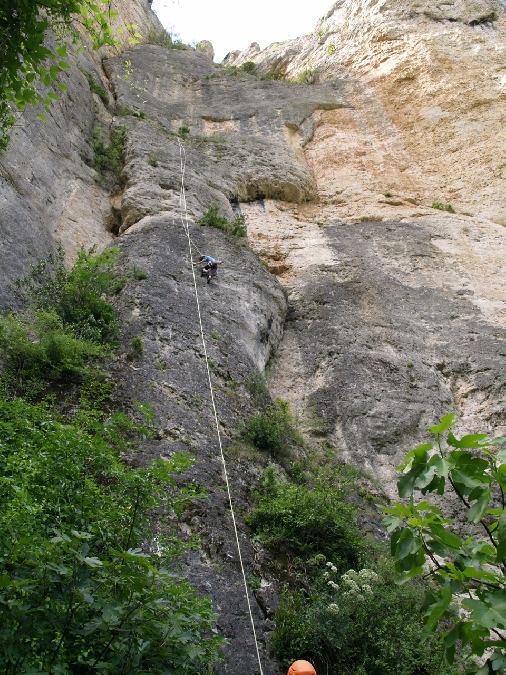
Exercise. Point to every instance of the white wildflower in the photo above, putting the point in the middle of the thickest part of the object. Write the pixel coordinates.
(333, 608)
(325, 575)
(333, 568)
(367, 589)
(329, 564)
(333, 585)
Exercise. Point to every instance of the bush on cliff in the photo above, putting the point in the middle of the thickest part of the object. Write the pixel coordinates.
(235, 227)
(341, 607)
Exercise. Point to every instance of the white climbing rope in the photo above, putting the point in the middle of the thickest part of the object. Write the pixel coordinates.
(184, 222)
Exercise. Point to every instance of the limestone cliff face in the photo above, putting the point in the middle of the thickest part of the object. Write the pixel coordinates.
(47, 191)
(377, 313)
(426, 81)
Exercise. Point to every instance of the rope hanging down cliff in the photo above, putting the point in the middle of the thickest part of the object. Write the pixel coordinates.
(184, 222)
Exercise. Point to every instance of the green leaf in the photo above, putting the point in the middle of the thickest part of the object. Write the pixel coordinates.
(406, 543)
(446, 423)
(61, 50)
(436, 611)
(501, 534)
(477, 510)
(470, 441)
(41, 117)
(489, 612)
(445, 536)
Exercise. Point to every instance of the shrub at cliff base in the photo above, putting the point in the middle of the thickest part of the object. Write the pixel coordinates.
(344, 611)
(87, 583)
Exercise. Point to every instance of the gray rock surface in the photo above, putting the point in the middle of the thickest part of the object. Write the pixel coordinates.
(47, 191)
(245, 134)
(243, 311)
(379, 348)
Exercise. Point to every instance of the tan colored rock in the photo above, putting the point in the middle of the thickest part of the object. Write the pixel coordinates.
(425, 80)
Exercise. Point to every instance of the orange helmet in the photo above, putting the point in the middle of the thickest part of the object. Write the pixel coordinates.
(301, 668)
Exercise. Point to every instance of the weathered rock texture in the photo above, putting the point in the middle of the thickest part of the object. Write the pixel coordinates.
(243, 312)
(426, 81)
(47, 191)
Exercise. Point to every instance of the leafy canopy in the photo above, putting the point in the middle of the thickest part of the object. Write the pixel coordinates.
(467, 565)
(26, 57)
(86, 583)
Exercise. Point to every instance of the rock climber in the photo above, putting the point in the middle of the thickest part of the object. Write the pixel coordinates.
(209, 267)
(301, 668)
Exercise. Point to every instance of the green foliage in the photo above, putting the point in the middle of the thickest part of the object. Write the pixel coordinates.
(331, 49)
(357, 622)
(111, 158)
(124, 111)
(443, 207)
(27, 62)
(153, 159)
(69, 323)
(139, 274)
(272, 430)
(275, 76)
(96, 88)
(136, 348)
(248, 67)
(86, 583)
(306, 77)
(215, 335)
(388, 194)
(183, 131)
(38, 349)
(235, 227)
(308, 519)
(163, 38)
(77, 296)
(465, 566)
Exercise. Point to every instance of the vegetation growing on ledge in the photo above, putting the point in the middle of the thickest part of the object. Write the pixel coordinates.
(341, 606)
(441, 206)
(163, 38)
(235, 227)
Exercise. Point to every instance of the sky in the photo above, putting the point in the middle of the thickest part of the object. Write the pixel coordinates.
(234, 24)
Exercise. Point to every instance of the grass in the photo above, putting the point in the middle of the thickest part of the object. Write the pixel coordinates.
(441, 206)
(153, 159)
(235, 227)
(96, 88)
(163, 38)
(305, 77)
(109, 159)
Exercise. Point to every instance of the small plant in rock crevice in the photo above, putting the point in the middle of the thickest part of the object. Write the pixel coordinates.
(96, 88)
(306, 77)
(441, 206)
(136, 348)
(109, 159)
